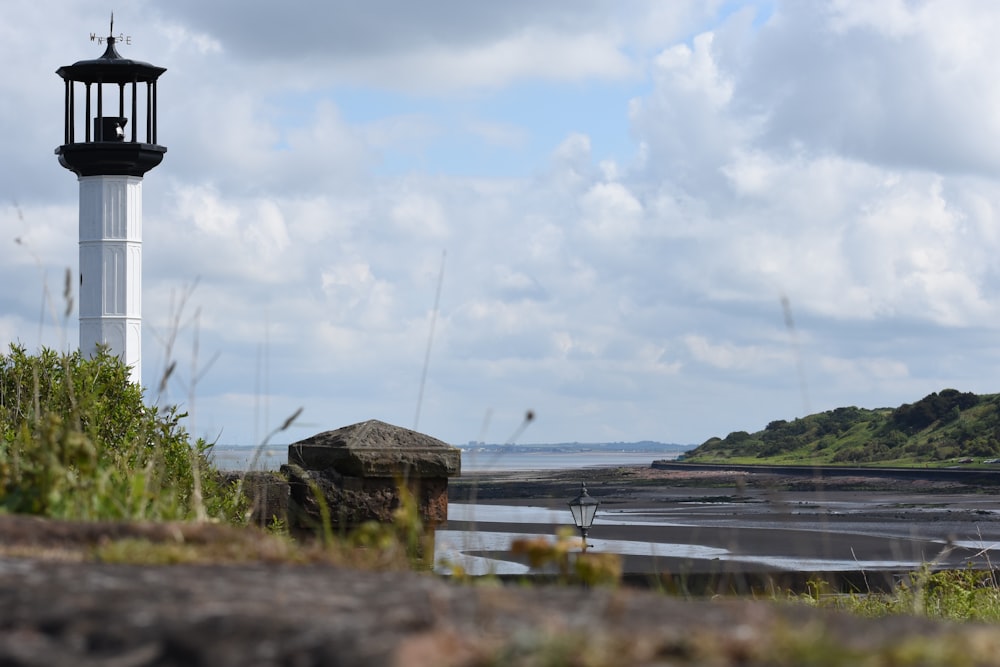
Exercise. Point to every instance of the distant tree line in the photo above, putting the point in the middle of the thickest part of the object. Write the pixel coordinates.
(941, 426)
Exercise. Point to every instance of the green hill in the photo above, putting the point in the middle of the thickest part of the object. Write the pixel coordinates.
(938, 429)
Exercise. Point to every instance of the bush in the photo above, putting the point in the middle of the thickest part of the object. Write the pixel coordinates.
(985, 447)
(957, 595)
(850, 455)
(77, 441)
(945, 407)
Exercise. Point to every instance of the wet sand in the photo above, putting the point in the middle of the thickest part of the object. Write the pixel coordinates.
(727, 525)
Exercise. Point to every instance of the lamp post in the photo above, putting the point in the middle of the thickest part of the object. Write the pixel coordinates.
(584, 508)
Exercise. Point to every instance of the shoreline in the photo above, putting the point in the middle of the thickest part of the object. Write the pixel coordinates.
(639, 483)
(739, 526)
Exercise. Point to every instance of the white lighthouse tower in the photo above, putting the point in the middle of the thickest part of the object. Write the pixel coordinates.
(110, 163)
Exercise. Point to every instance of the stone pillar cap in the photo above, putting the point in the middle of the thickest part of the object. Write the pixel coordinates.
(375, 449)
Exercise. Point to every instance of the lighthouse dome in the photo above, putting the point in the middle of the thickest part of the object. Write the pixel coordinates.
(110, 68)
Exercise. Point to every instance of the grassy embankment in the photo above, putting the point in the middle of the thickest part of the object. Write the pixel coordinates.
(943, 429)
(78, 442)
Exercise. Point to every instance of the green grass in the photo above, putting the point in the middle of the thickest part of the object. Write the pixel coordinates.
(78, 441)
(953, 595)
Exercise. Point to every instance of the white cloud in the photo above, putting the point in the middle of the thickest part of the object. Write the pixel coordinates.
(841, 154)
(731, 356)
(183, 39)
(611, 213)
(418, 214)
(528, 54)
(441, 46)
(210, 216)
(894, 74)
(848, 373)
(684, 125)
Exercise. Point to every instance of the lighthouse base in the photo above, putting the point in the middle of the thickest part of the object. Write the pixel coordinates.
(111, 267)
(122, 336)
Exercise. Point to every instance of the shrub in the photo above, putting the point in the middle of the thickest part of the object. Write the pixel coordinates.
(945, 406)
(78, 441)
(957, 595)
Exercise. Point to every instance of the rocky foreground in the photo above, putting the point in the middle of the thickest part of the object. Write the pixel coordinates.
(61, 613)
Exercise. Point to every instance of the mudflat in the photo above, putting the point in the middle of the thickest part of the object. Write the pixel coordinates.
(726, 524)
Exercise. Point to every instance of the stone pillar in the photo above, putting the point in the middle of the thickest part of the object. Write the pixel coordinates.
(359, 469)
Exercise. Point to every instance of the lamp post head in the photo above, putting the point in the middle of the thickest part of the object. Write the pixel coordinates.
(584, 508)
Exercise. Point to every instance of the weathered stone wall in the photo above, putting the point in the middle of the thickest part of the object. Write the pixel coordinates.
(290, 496)
(358, 471)
(353, 500)
(58, 613)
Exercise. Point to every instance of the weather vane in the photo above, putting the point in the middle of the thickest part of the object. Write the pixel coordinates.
(122, 38)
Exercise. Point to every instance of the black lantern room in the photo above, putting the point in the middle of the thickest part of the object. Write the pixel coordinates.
(113, 139)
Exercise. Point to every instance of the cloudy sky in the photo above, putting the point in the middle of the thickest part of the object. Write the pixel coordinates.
(653, 219)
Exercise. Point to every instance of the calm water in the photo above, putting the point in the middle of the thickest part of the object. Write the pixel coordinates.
(902, 545)
(456, 547)
(799, 541)
(231, 457)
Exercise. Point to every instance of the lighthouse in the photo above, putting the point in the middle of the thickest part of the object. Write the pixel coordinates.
(110, 143)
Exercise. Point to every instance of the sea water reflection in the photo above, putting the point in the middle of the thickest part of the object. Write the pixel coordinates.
(480, 551)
